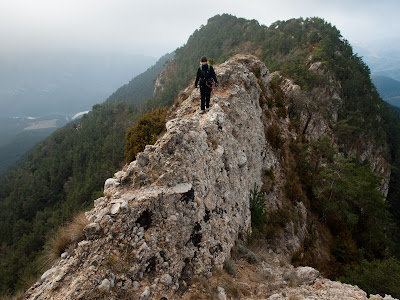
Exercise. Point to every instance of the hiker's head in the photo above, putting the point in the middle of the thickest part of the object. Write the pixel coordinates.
(203, 60)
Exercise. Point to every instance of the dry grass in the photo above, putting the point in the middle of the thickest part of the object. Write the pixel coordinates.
(213, 142)
(108, 195)
(66, 237)
(201, 288)
(17, 296)
(233, 289)
(205, 289)
(199, 296)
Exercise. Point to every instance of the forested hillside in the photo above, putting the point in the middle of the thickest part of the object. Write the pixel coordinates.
(19, 135)
(66, 173)
(17, 148)
(141, 87)
(61, 177)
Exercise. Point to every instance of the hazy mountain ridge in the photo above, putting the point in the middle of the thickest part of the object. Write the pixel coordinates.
(40, 85)
(19, 134)
(383, 60)
(311, 53)
(141, 87)
(65, 83)
(388, 88)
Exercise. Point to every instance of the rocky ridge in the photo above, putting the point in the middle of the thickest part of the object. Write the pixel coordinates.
(176, 212)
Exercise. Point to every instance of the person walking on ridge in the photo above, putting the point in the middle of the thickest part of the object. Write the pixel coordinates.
(207, 77)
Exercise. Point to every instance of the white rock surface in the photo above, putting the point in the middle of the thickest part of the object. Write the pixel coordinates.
(186, 196)
(177, 210)
(221, 293)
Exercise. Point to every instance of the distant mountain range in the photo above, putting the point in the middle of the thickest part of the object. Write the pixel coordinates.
(33, 88)
(64, 82)
(19, 134)
(388, 88)
(383, 59)
(384, 63)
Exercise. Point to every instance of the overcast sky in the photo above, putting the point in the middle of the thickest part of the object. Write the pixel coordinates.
(155, 27)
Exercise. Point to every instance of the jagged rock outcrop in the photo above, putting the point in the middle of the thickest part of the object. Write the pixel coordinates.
(178, 209)
(273, 279)
(164, 77)
(318, 111)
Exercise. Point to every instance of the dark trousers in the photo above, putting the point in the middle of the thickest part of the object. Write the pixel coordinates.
(205, 93)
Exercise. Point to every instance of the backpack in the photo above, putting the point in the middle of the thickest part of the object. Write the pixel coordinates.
(205, 78)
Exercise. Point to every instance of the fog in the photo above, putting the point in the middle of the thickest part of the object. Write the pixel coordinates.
(155, 27)
(51, 48)
(65, 83)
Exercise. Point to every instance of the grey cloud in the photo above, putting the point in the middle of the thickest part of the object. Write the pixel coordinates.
(155, 27)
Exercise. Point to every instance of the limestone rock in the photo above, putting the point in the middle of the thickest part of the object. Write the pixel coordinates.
(221, 293)
(91, 230)
(47, 274)
(179, 208)
(115, 208)
(135, 286)
(146, 294)
(307, 274)
(166, 279)
(111, 186)
(105, 286)
(177, 211)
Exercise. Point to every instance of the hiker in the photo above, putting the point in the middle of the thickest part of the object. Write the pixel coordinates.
(206, 75)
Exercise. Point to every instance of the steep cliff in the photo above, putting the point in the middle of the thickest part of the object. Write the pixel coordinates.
(178, 210)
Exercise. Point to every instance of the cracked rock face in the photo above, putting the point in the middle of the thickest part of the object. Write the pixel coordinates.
(178, 209)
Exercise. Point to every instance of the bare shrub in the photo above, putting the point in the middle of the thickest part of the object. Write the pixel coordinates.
(67, 236)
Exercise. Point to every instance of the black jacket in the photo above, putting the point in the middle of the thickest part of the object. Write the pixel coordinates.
(211, 72)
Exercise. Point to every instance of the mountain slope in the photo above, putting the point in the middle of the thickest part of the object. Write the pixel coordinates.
(65, 83)
(59, 178)
(19, 135)
(337, 110)
(146, 201)
(141, 87)
(18, 147)
(388, 88)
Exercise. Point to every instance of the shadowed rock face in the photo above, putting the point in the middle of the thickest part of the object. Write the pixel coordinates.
(179, 208)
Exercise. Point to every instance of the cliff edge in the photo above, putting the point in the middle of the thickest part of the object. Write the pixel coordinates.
(176, 212)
